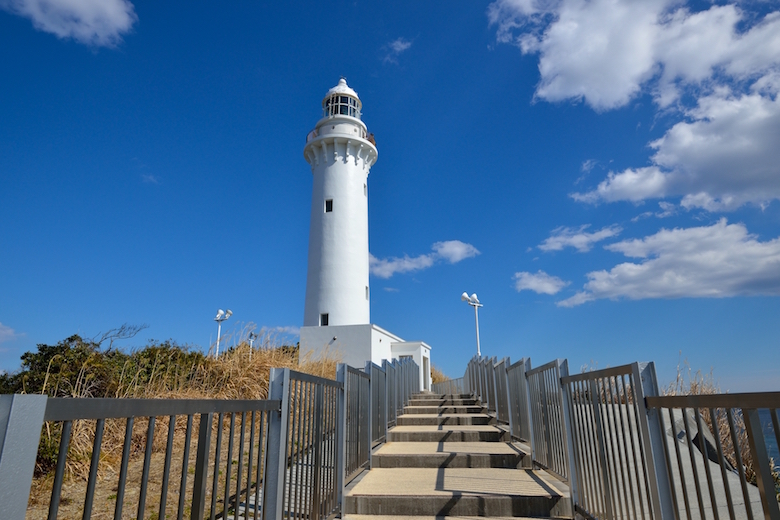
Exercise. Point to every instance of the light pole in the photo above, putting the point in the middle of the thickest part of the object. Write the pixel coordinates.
(221, 316)
(474, 302)
(252, 338)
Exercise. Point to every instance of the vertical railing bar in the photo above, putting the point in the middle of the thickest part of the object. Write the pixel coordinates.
(666, 448)
(775, 428)
(145, 472)
(643, 383)
(763, 472)
(120, 488)
(229, 465)
(200, 482)
(262, 449)
(691, 449)
(583, 447)
(722, 463)
(250, 460)
(303, 474)
(293, 430)
(306, 475)
(617, 417)
(93, 468)
(217, 456)
(629, 393)
(240, 469)
(56, 489)
(185, 464)
(740, 464)
(610, 435)
(167, 466)
(605, 484)
(683, 480)
(316, 506)
(706, 460)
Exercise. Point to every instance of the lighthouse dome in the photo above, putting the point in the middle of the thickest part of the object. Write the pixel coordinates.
(341, 100)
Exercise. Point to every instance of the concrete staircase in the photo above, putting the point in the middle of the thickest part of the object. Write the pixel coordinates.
(447, 457)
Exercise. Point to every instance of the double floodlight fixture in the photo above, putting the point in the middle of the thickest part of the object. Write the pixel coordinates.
(474, 302)
(221, 316)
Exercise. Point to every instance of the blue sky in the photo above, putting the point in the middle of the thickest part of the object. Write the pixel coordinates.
(604, 174)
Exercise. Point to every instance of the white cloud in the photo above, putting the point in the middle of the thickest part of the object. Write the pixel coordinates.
(7, 333)
(605, 52)
(452, 251)
(395, 48)
(93, 22)
(725, 155)
(577, 238)
(716, 261)
(541, 282)
(150, 179)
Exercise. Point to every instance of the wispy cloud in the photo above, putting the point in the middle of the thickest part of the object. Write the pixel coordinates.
(395, 48)
(540, 283)
(452, 251)
(7, 333)
(150, 179)
(716, 261)
(99, 23)
(577, 238)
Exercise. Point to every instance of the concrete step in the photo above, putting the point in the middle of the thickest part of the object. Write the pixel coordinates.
(451, 517)
(443, 409)
(442, 396)
(447, 433)
(453, 492)
(442, 402)
(450, 455)
(437, 419)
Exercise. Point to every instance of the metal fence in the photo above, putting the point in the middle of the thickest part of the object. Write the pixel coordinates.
(450, 386)
(628, 453)
(735, 477)
(287, 457)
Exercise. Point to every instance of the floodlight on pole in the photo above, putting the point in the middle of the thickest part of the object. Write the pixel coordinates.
(221, 316)
(474, 302)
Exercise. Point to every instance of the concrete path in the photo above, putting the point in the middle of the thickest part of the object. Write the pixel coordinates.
(447, 457)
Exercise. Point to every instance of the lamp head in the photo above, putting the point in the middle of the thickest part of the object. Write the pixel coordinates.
(229, 313)
(464, 297)
(473, 298)
(220, 313)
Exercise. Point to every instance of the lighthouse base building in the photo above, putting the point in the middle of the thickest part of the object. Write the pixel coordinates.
(336, 316)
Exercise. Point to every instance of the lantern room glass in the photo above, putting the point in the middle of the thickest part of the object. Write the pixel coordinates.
(338, 104)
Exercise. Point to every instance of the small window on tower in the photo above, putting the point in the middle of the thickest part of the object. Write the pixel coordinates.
(328, 205)
(365, 190)
(366, 292)
(324, 320)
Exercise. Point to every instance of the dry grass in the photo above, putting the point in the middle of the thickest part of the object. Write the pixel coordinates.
(238, 373)
(437, 376)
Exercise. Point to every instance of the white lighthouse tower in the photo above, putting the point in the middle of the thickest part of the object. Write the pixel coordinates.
(341, 153)
(337, 311)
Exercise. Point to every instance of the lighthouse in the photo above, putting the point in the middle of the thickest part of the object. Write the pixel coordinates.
(340, 152)
(337, 309)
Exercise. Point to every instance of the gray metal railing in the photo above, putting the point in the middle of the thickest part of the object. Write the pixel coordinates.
(450, 386)
(628, 453)
(192, 475)
(378, 405)
(358, 420)
(716, 454)
(287, 457)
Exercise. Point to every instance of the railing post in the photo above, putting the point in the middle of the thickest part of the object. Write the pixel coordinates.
(371, 421)
(652, 432)
(21, 419)
(278, 425)
(341, 435)
(766, 485)
(574, 470)
(202, 467)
